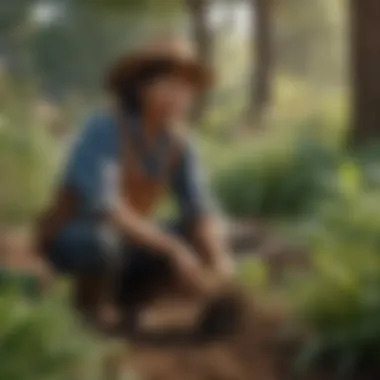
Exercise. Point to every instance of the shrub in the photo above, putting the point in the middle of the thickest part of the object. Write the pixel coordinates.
(43, 340)
(27, 162)
(341, 302)
(277, 179)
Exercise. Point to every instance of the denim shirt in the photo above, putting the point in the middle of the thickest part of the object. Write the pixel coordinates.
(93, 171)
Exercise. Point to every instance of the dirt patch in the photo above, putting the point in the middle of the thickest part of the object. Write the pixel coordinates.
(263, 348)
(253, 352)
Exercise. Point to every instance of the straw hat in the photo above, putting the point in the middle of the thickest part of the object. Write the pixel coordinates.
(175, 54)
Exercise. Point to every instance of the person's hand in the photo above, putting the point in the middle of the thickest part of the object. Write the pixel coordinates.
(184, 260)
(224, 266)
(191, 273)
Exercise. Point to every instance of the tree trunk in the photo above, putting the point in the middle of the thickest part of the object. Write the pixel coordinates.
(365, 18)
(200, 28)
(202, 36)
(262, 54)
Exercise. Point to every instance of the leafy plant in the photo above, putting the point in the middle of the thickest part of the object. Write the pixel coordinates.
(277, 180)
(341, 301)
(43, 340)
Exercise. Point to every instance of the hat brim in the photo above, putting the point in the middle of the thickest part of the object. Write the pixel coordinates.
(200, 75)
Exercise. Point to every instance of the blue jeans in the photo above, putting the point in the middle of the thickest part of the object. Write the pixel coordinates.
(79, 249)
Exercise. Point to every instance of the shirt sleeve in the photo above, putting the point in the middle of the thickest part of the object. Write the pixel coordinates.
(90, 171)
(190, 187)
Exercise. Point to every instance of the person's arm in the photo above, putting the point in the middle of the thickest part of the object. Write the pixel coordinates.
(142, 231)
(198, 209)
(187, 267)
(209, 235)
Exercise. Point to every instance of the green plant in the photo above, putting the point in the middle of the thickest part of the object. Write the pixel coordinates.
(277, 178)
(28, 156)
(43, 340)
(341, 301)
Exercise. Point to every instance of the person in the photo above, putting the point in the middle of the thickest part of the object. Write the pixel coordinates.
(101, 224)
